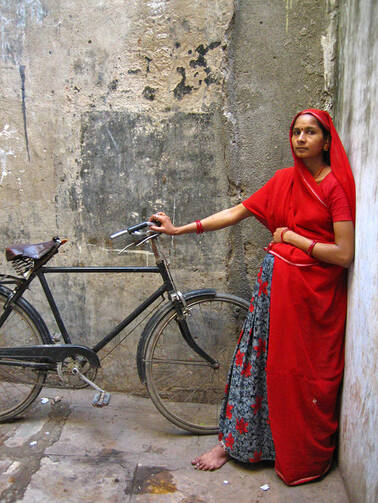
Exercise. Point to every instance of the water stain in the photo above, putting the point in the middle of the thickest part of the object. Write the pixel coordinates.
(151, 480)
(192, 499)
(154, 450)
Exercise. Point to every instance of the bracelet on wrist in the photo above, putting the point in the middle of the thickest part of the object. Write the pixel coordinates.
(283, 233)
(199, 227)
(310, 248)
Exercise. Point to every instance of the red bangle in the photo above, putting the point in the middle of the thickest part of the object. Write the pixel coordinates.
(199, 227)
(283, 233)
(309, 251)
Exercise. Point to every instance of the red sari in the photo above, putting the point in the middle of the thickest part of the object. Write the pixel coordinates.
(307, 317)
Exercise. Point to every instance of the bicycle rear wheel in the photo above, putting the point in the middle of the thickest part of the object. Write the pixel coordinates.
(19, 386)
(182, 385)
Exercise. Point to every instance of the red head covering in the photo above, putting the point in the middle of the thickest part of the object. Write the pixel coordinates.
(292, 198)
(339, 161)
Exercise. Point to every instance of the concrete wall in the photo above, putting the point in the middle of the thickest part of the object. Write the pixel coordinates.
(357, 116)
(281, 59)
(113, 109)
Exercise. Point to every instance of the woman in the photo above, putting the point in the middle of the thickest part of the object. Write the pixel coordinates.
(281, 403)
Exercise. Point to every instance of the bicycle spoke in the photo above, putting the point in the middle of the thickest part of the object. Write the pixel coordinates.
(179, 362)
(18, 386)
(186, 389)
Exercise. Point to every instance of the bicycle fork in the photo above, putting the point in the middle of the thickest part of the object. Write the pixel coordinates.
(180, 306)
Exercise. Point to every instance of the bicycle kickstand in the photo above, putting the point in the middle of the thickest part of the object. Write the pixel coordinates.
(101, 398)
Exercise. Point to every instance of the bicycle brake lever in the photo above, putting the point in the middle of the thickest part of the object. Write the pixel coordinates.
(139, 242)
(154, 235)
(126, 247)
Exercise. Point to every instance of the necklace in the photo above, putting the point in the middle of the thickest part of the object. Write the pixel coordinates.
(317, 175)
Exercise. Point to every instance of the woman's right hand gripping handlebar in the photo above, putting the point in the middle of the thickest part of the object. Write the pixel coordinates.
(166, 225)
(219, 220)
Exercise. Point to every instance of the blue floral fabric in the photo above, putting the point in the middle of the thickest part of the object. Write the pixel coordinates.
(244, 420)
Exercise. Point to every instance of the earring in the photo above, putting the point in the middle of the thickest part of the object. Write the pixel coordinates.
(325, 148)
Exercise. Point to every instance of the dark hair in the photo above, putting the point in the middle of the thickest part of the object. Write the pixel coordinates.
(327, 136)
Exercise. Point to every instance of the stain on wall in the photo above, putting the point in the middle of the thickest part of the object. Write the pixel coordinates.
(133, 165)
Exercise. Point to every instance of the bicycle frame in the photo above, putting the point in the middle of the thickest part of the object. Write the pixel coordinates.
(168, 287)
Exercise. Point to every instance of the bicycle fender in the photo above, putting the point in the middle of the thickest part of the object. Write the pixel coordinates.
(202, 292)
(32, 312)
(199, 293)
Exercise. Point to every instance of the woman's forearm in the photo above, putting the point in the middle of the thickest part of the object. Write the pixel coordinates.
(338, 253)
(219, 220)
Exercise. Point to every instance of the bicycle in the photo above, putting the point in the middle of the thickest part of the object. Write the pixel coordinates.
(183, 352)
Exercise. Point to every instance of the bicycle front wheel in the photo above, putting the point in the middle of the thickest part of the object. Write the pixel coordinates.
(19, 386)
(184, 387)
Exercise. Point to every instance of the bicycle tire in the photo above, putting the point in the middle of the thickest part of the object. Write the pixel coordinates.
(182, 385)
(20, 387)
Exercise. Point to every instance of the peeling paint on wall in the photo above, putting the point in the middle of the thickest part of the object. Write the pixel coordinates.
(14, 17)
(6, 136)
(329, 46)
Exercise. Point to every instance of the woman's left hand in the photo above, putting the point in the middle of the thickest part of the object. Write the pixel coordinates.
(277, 234)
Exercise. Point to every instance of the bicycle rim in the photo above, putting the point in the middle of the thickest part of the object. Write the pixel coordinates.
(182, 385)
(19, 387)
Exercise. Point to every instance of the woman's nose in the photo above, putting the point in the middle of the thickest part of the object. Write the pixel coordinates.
(301, 136)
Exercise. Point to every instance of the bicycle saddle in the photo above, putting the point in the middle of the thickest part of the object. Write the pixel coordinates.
(34, 251)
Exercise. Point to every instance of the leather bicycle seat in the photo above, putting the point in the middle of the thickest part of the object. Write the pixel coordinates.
(34, 251)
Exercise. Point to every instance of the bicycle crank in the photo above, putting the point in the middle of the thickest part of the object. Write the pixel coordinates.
(83, 365)
(101, 398)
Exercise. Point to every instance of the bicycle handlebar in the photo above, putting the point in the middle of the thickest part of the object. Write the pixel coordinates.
(138, 227)
(133, 228)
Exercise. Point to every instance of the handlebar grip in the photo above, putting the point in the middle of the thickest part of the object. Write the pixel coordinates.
(118, 234)
(134, 228)
(137, 227)
(142, 225)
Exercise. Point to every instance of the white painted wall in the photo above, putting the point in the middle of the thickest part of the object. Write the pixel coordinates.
(358, 115)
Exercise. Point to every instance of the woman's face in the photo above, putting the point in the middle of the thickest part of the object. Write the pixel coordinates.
(308, 139)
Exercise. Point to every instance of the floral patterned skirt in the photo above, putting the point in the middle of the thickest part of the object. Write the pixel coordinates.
(244, 420)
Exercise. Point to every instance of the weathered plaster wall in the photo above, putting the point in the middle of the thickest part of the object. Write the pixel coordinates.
(279, 61)
(113, 109)
(357, 116)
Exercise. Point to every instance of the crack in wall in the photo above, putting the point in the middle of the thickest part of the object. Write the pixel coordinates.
(23, 107)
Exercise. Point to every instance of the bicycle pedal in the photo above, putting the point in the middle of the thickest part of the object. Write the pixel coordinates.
(101, 399)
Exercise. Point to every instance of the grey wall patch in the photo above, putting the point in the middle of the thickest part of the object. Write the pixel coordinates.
(133, 165)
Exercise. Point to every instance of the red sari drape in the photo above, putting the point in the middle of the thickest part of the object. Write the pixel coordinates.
(307, 318)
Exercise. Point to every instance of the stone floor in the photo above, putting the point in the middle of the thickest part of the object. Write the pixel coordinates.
(127, 452)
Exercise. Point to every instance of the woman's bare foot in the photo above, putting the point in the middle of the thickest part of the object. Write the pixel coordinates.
(211, 460)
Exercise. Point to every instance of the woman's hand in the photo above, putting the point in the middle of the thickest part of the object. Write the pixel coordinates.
(166, 225)
(278, 234)
(340, 252)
